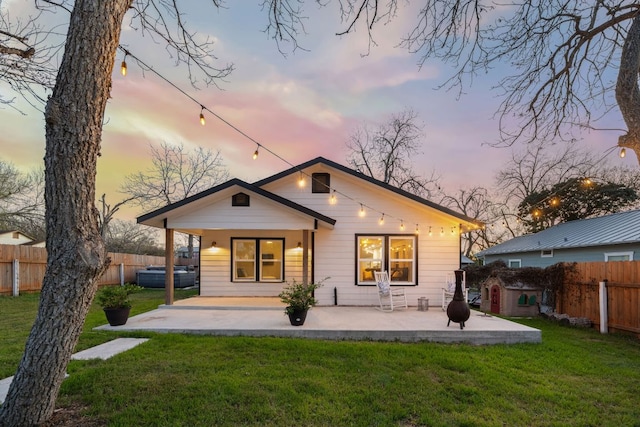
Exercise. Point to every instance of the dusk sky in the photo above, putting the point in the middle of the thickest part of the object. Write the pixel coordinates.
(300, 107)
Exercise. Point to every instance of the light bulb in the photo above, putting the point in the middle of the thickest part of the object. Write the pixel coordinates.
(301, 182)
(332, 199)
(417, 229)
(255, 154)
(623, 152)
(401, 225)
(202, 121)
(362, 212)
(123, 68)
(381, 222)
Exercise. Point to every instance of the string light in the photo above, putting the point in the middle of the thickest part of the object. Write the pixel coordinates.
(202, 121)
(301, 180)
(442, 231)
(430, 232)
(623, 152)
(123, 66)
(333, 200)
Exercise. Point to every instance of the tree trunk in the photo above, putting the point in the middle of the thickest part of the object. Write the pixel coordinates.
(627, 91)
(76, 253)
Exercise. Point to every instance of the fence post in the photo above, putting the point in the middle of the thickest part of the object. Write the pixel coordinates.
(121, 274)
(15, 281)
(604, 308)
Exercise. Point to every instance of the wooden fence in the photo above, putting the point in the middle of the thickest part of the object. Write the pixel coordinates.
(580, 295)
(31, 263)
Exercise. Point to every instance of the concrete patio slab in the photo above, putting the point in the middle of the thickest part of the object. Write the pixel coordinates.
(336, 322)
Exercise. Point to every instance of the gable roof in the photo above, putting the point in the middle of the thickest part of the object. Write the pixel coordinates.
(156, 218)
(354, 173)
(614, 229)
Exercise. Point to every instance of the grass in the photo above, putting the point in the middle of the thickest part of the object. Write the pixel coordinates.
(574, 377)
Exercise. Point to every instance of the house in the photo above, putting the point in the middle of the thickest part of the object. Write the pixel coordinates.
(614, 237)
(14, 237)
(318, 221)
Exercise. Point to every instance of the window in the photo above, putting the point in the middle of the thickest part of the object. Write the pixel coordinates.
(258, 260)
(320, 182)
(395, 254)
(618, 256)
(240, 199)
(546, 253)
(515, 263)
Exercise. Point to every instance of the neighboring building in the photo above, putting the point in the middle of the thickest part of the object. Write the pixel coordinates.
(255, 237)
(614, 237)
(14, 237)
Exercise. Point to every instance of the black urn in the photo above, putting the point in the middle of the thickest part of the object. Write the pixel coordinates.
(458, 310)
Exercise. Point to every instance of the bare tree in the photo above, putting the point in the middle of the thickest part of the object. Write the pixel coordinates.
(385, 153)
(131, 238)
(22, 200)
(562, 55)
(537, 166)
(476, 203)
(26, 54)
(175, 175)
(537, 169)
(107, 213)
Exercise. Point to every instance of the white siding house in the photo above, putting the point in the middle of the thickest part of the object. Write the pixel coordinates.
(256, 237)
(14, 237)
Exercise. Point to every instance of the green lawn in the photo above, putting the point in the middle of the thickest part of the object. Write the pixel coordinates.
(573, 378)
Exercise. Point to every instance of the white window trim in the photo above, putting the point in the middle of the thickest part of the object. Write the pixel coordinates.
(543, 255)
(519, 261)
(612, 254)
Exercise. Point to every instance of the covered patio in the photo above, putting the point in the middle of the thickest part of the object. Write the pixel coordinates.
(259, 317)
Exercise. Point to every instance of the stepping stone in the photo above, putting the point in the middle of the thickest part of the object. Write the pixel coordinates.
(102, 351)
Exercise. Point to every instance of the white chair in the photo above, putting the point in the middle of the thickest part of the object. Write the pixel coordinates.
(450, 288)
(390, 297)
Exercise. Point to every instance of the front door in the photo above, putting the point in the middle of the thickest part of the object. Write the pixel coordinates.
(495, 299)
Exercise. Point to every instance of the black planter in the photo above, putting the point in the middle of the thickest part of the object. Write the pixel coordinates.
(458, 310)
(297, 317)
(117, 316)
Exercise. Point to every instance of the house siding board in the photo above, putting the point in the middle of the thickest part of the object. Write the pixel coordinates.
(215, 264)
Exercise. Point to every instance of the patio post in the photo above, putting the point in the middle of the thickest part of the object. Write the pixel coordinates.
(168, 267)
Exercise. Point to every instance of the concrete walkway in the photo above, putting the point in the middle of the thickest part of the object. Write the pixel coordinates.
(265, 317)
(102, 351)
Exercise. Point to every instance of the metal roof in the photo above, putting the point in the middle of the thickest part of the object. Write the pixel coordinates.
(614, 229)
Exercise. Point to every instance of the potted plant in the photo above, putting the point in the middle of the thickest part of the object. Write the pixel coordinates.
(115, 302)
(298, 298)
